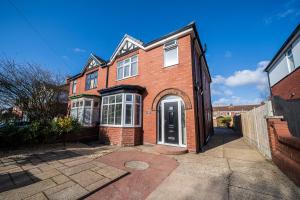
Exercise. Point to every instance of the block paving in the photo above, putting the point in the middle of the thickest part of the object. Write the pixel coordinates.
(55, 174)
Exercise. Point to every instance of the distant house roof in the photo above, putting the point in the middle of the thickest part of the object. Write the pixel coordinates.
(287, 43)
(234, 108)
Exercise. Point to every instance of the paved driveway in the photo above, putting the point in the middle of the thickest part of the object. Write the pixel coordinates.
(55, 174)
(228, 169)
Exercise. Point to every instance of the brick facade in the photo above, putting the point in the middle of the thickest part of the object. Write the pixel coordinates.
(159, 81)
(285, 148)
(288, 87)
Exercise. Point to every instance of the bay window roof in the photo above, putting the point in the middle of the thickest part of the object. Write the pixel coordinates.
(122, 89)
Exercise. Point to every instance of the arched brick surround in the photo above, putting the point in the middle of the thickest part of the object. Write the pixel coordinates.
(172, 91)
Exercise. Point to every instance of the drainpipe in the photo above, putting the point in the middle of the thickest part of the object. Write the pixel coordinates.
(195, 89)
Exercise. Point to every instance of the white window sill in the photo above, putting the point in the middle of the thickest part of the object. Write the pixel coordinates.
(126, 78)
(171, 65)
(120, 126)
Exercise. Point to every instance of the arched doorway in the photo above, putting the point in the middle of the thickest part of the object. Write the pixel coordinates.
(171, 123)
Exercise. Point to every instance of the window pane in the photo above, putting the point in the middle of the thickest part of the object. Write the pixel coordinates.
(74, 105)
(120, 73)
(104, 114)
(120, 63)
(118, 114)
(126, 70)
(119, 98)
(128, 118)
(111, 113)
(112, 99)
(81, 103)
(77, 104)
(137, 98)
(88, 103)
(105, 100)
(87, 115)
(171, 57)
(128, 97)
(183, 124)
(134, 59)
(134, 69)
(126, 61)
(137, 114)
(74, 113)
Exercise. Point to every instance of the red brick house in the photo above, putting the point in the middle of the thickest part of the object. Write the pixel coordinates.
(284, 129)
(284, 69)
(156, 92)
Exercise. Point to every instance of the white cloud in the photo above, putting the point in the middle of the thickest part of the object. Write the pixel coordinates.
(228, 54)
(221, 91)
(288, 10)
(65, 57)
(222, 86)
(255, 77)
(285, 13)
(78, 50)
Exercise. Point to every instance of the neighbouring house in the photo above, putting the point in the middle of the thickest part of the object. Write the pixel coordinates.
(229, 111)
(284, 128)
(156, 92)
(284, 69)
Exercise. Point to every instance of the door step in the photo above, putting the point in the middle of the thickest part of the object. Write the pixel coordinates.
(170, 150)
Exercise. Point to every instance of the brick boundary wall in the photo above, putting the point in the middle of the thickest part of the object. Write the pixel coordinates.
(121, 136)
(285, 148)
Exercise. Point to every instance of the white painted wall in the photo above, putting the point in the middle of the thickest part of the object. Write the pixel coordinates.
(281, 68)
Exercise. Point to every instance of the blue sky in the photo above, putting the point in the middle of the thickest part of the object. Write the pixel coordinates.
(241, 36)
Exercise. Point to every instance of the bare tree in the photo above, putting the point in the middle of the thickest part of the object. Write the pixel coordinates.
(34, 90)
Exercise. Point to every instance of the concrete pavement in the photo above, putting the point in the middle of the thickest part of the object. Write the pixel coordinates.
(228, 169)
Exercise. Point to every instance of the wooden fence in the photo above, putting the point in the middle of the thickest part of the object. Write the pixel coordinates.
(254, 128)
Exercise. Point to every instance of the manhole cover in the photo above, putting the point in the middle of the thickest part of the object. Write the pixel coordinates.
(137, 165)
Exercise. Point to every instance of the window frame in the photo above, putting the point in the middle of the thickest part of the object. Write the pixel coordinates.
(121, 64)
(171, 47)
(123, 110)
(90, 79)
(80, 103)
(74, 87)
(290, 59)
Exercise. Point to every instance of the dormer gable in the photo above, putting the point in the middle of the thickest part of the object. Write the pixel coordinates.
(126, 45)
(93, 61)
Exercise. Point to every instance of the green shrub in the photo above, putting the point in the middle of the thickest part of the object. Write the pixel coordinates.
(64, 126)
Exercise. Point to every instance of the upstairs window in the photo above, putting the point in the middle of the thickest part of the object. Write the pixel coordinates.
(127, 68)
(91, 80)
(290, 59)
(171, 53)
(74, 83)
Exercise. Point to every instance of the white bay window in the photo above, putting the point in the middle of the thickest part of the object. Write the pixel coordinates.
(121, 110)
(85, 110)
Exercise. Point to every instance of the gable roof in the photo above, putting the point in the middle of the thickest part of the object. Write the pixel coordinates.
(125, 39)
(94, 57)
(188, 29)
(287, 43)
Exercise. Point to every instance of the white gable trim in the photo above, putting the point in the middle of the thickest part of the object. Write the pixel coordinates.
(160, 42)
(125, 39)
(94, 58)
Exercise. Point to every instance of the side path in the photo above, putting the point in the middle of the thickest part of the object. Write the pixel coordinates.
(228, 169)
